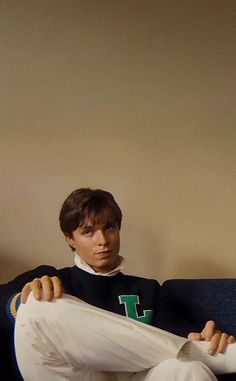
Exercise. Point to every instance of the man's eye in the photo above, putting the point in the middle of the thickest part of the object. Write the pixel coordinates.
(87, 232)
(110, 227)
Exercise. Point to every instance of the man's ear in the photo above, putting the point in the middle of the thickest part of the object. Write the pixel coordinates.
(70, 241)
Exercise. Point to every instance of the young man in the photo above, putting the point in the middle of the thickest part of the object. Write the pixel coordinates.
(95, 323)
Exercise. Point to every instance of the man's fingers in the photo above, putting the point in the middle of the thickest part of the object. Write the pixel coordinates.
(223, 343)
(51, 287)
(47, 288)
(25, 293)
(220, 342)
(231, 339)
(35, 287)
(57, 287)
(194, 336)
(209, 330)
(215, 342)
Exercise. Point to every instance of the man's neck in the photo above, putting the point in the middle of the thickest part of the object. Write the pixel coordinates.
(79, 262)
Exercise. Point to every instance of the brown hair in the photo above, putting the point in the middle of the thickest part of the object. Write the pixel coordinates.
(82, 204)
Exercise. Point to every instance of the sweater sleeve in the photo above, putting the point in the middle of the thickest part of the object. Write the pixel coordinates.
(10, 292)
(9, 302)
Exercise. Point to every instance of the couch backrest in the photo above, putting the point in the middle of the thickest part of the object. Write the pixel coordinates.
(208, 299)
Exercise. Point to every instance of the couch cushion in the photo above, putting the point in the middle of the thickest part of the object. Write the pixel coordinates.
(207, 299)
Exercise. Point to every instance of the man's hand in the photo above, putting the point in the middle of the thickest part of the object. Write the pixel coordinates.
(46, 288)
(218, 340)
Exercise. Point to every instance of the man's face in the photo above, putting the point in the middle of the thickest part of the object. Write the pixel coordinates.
(97, 244)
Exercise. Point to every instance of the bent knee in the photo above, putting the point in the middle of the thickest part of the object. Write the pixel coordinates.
(181, 370)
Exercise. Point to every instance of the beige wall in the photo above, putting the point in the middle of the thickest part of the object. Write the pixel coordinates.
(136, 97)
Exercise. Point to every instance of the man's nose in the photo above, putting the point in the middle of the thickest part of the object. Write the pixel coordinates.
(101, 237)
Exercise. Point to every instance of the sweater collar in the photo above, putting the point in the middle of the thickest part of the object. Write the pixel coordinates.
(79, 262)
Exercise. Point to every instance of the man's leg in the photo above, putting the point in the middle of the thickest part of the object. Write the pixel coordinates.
(65, 337)
(59, 340)
(177, 370)
(171, 370)
(219, 363)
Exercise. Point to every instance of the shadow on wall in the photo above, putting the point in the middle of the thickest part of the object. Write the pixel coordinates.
(10, 268)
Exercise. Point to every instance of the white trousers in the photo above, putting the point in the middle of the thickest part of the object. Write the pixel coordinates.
(68, 339)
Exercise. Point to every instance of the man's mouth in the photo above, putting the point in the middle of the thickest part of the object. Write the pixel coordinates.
(104, 252)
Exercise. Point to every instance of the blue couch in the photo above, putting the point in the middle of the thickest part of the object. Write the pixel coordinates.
(201, 299)
(206, 299)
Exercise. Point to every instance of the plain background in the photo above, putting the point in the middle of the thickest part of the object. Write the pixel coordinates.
(135, 97)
